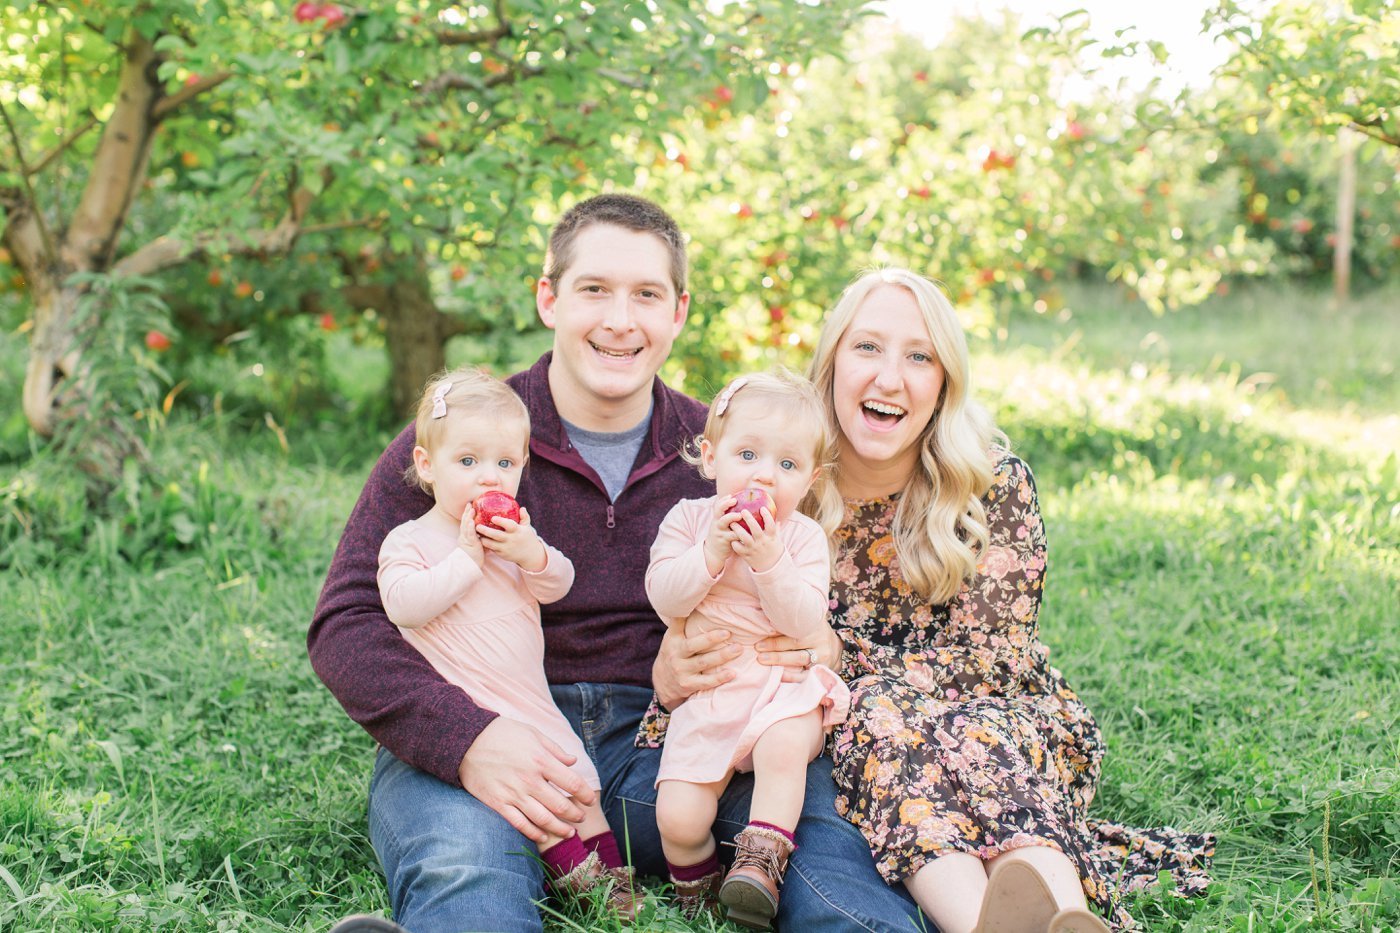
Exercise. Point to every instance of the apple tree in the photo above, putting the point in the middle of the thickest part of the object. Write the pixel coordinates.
(416, 148)
(970, 162)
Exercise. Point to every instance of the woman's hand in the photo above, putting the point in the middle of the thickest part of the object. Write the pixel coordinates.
(517, 542)
(685, 666)
(795, 657)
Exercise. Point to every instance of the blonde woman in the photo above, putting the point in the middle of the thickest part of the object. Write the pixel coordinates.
(967, 762)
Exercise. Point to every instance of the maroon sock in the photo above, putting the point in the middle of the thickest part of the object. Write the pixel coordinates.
(605, 844)
(564, 856)
(759, 824)
(692, 872)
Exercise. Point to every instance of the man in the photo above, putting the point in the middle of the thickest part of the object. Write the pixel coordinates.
(458, 793)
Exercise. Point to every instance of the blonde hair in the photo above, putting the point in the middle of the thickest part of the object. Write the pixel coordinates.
(940, 525)
(470, 393)
(797, 399)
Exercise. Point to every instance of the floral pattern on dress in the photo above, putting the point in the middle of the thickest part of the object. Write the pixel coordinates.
(962, 737)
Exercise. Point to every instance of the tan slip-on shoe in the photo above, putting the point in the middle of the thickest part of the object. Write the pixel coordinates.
(1017, 901)
(1077, 920)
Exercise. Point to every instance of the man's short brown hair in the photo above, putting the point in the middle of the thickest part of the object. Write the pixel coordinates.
(621, 210)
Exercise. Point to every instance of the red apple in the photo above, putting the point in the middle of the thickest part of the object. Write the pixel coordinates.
(1075, 130)
(333, 15)
(327, 322)
(776, 313)
(156, 341)
(492, 505)
(724, 94)
(306, 12)
(752, 501)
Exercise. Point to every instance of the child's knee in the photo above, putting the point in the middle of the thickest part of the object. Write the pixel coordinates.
(789, 739)
(684, 825)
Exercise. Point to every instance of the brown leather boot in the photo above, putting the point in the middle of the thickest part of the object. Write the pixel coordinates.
(698, 898)
(750, 890)
(590, 874)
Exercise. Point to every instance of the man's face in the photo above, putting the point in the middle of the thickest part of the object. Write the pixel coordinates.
(615, 314)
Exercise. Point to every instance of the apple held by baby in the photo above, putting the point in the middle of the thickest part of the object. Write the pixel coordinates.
(490, 506)
(751, 501)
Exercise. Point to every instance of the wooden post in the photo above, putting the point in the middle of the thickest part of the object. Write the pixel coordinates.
(1346, 211)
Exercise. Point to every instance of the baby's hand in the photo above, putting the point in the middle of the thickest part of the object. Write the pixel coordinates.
(756, 541)
(467, 538)
(719, 540)
(517, 542)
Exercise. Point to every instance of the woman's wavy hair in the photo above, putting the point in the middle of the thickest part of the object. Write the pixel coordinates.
(940, 526)
(470, 393)
(783, 390)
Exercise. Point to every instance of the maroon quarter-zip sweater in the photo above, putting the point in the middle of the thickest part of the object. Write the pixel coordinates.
(603, 631)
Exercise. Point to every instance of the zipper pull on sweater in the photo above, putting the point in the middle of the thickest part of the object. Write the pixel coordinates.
(611, 522)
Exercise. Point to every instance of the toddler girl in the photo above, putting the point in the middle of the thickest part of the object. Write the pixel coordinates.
(755, 574)
(468, 595)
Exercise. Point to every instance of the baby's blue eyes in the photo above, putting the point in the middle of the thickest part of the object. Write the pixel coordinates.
(468, 461)
(504, 464)
(788, 465)
(748, 455)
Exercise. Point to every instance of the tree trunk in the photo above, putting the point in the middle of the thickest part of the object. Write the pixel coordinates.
(90, 240)
(415, 331)
(1346, 214)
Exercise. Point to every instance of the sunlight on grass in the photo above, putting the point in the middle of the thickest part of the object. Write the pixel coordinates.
(1222, 590)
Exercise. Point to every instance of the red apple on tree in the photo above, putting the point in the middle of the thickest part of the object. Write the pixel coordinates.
(333, 15)
(156, 341)
(752, 502)
(306, 12)
(495, 504)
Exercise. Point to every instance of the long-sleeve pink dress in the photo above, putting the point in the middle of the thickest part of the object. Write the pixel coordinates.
(479, 626)
(714, 731)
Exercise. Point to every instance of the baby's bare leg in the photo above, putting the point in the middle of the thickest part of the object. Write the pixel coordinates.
(685, 817)
(780, 760)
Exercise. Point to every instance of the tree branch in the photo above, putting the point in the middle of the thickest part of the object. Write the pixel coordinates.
(480, 36)
(363, 297)
(63, 144)
(167, 251)
(30, 202)
(451, 80)
(188, 93)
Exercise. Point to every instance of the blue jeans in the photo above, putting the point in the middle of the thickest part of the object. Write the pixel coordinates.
(453, 864)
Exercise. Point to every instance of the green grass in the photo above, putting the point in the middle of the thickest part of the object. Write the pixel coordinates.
(1223, 592)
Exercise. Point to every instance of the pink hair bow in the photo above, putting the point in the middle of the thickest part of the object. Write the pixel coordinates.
(725, 397)
(440, 399)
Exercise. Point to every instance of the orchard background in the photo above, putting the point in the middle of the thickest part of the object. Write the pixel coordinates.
(235, 240)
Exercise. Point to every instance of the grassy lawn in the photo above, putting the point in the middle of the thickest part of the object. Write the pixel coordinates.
(1220, 488)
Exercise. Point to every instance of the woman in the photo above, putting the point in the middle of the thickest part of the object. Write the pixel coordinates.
(966, 754)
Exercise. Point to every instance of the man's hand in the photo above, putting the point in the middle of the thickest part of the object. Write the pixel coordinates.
(510, 768)
(793, 656)
(685, 666)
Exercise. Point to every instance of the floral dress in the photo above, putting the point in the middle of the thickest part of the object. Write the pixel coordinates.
(962, 737)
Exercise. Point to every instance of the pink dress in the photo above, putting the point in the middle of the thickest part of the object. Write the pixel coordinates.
(479, 626)
(713, 732)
